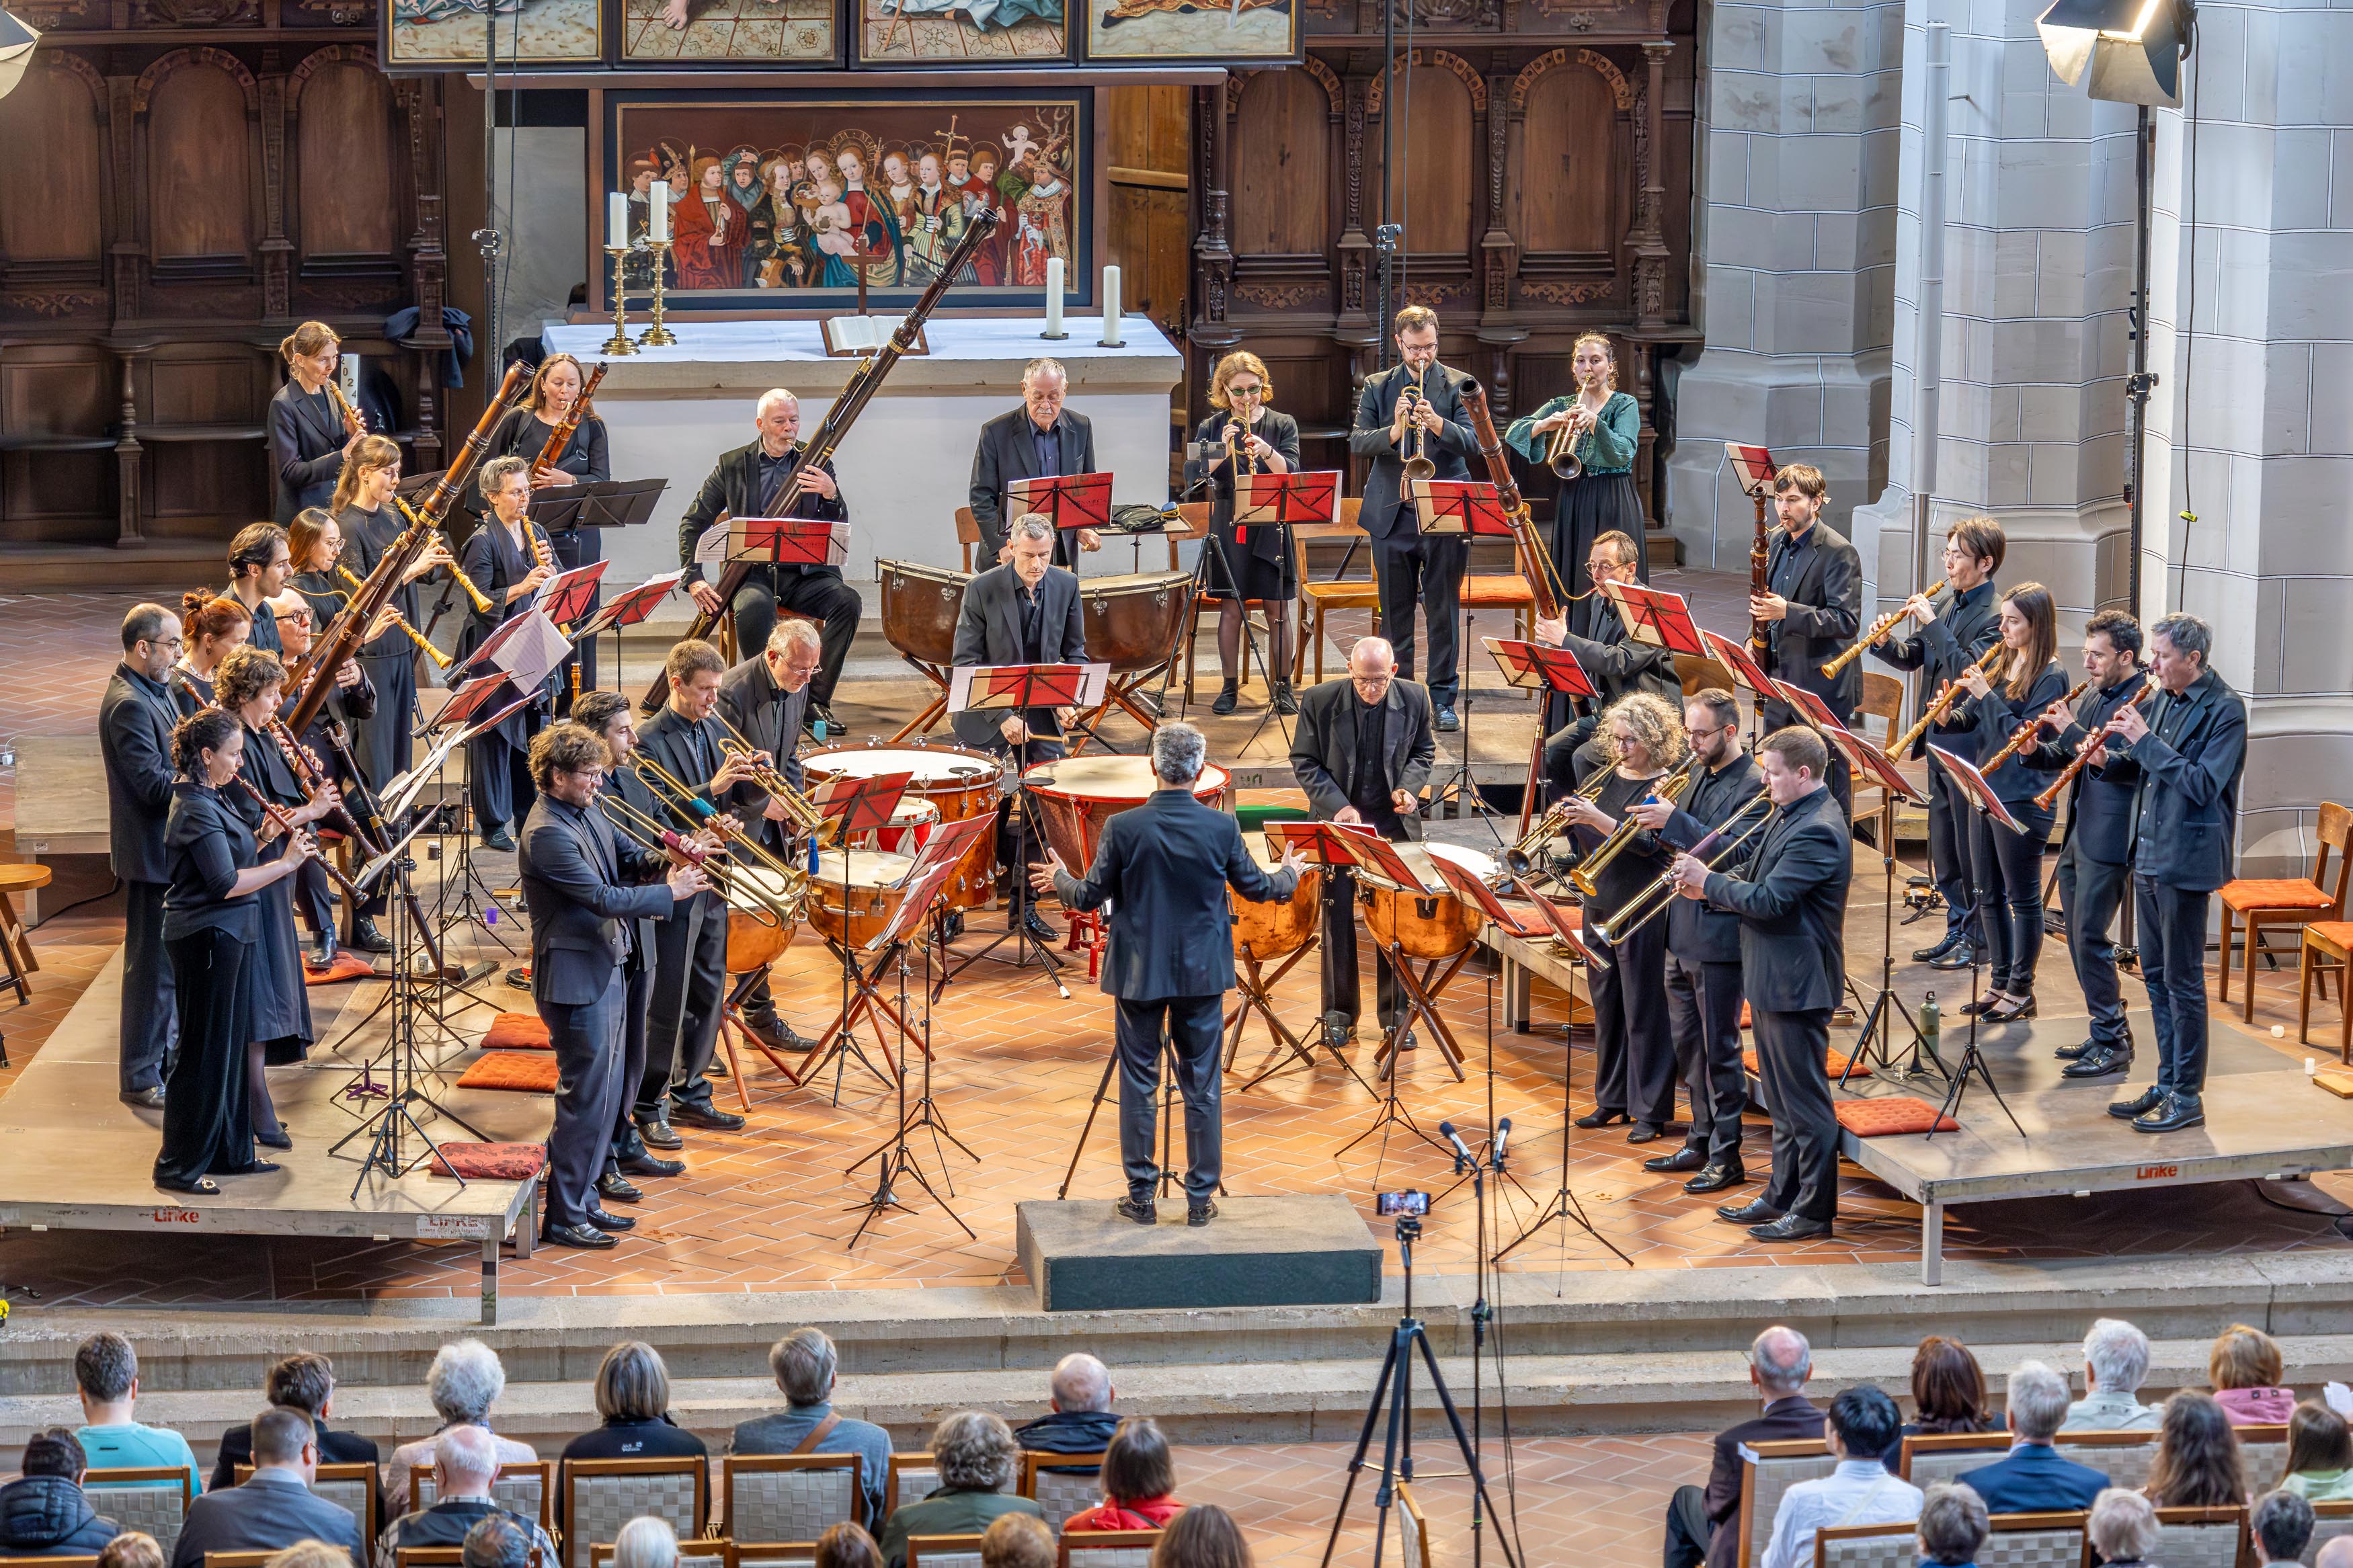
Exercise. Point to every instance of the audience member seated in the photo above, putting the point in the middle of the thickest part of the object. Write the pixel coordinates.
(1017, 1541)
(1079, 1418)
(2281, 1523)
(309, 1555)
(465, 1463)
(1703, 1523)
(275, 1507)
(303, 1381)
(2115, 1362)
(1139, 1478)
(106, 1376)
(978, 1460)
(633, 1397)
(2197, 1460)
(45, 1514)
(2034, 1478)
(1203, 1536)
(132, 1549)
(2244, 1368)
(2123, 1528)
(2319, 1455)
(807, 1366)
(1863, 1422)
(500, 1541)
(1953, 1526)
(465, 1380)
(2337, 1552)
(646, 1542)
(1948, 1391)
(848, 1546)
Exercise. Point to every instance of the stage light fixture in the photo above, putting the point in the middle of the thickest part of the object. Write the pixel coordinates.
(2133, 47)
(16, 41)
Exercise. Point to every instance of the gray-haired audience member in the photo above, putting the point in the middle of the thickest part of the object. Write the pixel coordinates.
(464, 1380)
(978, 1461)
(2034, 1477)
(2337, 1552)
(1953, 1525)
(465, 1463)
(2124, 1529)
(1702, 1522)
(2281, 1522)
(499, 1541)
(2115, 1362)
(1079, 1418)
(807, 1366)
(646, 1542)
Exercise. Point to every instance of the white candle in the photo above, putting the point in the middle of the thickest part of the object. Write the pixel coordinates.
(1053, 297)
(658, 223)
(617, 219)
(1110, 307)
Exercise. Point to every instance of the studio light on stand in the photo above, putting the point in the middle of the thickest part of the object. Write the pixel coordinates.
(16, 41)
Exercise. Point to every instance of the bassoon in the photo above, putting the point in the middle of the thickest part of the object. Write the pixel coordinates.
(819, 448)
(1760, 578)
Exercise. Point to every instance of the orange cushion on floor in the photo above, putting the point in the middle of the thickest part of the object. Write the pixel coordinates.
(2274, 893)
(1834, 1062)
(532, 1072)
(491, 1162)
(1898, 1113)
(348, 965)
(517, 1032)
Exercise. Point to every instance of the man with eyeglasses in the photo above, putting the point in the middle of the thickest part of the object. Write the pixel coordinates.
(134, 738)
(1612, 659)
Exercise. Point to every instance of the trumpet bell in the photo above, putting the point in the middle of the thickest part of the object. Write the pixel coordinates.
(1567, 466)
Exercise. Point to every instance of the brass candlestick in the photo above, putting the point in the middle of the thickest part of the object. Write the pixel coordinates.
(619, 343)
(657, 335)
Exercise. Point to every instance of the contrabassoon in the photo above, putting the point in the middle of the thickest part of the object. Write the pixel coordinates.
(1536, 561)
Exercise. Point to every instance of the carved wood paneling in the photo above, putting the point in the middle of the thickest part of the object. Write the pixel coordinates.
(52, 200)
(341, 119)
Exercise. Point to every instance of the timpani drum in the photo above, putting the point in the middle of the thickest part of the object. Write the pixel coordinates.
(920, 606)
(957, 781)
(1272, 929)
(1424, 926)
(1133, 618)
(853, 912)
(752, 942)
(909, 829)
(1076, 795)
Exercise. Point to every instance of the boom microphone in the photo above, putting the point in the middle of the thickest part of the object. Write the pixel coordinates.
(1503, 1136)
(1462, 1150)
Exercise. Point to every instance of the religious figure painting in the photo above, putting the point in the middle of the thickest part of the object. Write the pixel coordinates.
(1246, 31)
(962, 32)
(787, 197)
(449, 33)
(715, 32)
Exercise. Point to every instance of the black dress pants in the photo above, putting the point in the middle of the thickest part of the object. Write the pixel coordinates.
(1195, 1025)
(821, 598)
(2091, 891)
(1633, 1047)
(1410, 570)
(1948, 852)
(1704, 1008)
(2173, 963)
(1343, 986)
(576, 547)
(2006, 873)
(499, 777)
(689, 993)
(1790, 1053)
(207, 1124)
(588, 1041)
(636, 1004)
(149, 1017)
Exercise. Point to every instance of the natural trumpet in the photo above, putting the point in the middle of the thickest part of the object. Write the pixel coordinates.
(1587, 876)
(806, 816)
(1419, 464)
(1621, 926)
(1879, 628)
(1520, 857)
(743, 891)
(440, 660)
(1561, 455)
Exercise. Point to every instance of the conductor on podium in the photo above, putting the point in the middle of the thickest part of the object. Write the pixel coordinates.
(1164, 868)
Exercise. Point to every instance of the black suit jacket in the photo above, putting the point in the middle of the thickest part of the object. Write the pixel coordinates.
(334, 1448)
(577, 881)
(1006, 452)
(988, 632)
(496, 563)
(733, 487)
(1617, 664)
(1825, 614)
(2100, 801)
(1697, 930)
(667, 739)
(263, 1515)
(1382, 514)
(306, 440)
(1999, 717)
(1783, 1421)
(2187, 803)
(134, 738)
(770, 718)
(1164, 868)
(1966, 626)
(1792, 907)
(1323, 746)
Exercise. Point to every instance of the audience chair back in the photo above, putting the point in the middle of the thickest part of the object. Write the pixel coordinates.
(1062, 1484)
(527, 1490)
(2199, 1537)
(2262, 1456)
(237, 1559)
(944, 1552)
(1866, 1546)
(1767, 1471)
(1412, 1527)
(700, 1553)
(1927, 1458)
(2329, 1520)
(776, 1555)
(2124, 1457)
(602, 1495)
(1116, 1549)
(444, 1557)
(2059, 1539)
(914, 1477)
(786, 1497)
(48, 1562)
(153, 1500)
(351, 1488)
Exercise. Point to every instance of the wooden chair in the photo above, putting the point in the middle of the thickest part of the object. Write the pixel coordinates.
(2199, 1537)
(1115, 1549)
(602, 1495)
(1317, 600)
(944, 1551)
(1195, 514)
(2253, 902)
(783, 1497)
(1767, 1471)
(1412, 1529)
(2329, 1520)
(352, 1488)
(1926, 1458)
(1499, 591)
(15, 945)
(1883, 699)
(446, 1557)
(1061, 1484)
(49, 1561)
(2328, 944)
(703, 1550)
(528, 1490)
(2262, 1455)
(152, 1499)
(911, 1478)
(2124, 1457)
(237, 1559)
(776, 1555)
(2057, 1540)
(1866, 1546)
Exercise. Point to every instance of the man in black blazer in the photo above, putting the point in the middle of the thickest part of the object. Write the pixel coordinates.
(1356, 770)
(1704, 946)
(1703, 1523)
(1957, 624)
(586, 889)
(2190, 748)
(135, 720)
(303, 1381)
(750, 482)
(1392, 422)
(1612, 659)
(275, 1508)
(765, 697)
(1791, 902)
(1041, 439)
(1163, 868)
(1812, 608)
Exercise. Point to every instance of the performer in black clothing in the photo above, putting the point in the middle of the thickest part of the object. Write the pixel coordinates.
(1957, 624)
(1354, 769)
(1633, 1044)
(259, 562)
(1263, 442)
(1413, 409)
(1614, 661)
(750, 482)
(134, 740)
(1704, 946)
(307, 439)
(504, 564)
(1165, 869)
(353, 702)
(2095, 862)
(1813, 610)
(2190, 746)
(1791, 900)
(368, 522)
(2007, 867)
(212, 927)
(763, 697)
(524, 433)
(211, 628)
(1041, 439)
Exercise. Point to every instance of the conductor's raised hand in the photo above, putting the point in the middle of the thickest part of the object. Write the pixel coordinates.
(1041, 877)
(1290, 860)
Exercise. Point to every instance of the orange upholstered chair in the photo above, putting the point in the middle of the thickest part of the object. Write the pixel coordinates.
(2253, 902)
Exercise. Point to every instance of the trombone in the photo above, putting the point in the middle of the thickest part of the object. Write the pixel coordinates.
(806, 816)
(1619, 927)
(1879, 628)
(424, 646)
(740, 891)
(481, 601)
(1586, 878)
(1521, 858)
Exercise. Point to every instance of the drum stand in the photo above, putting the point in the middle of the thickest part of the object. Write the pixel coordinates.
(898, 1159)
(1190, 627)
(1258, 991)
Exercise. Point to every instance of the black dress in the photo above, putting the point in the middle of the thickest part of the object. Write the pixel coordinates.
(281, 1003)
(1262, 557)
(1633, 1043)
(190, 691)
(522, 433)
(210, 934)
(496, 767)
(381, 742)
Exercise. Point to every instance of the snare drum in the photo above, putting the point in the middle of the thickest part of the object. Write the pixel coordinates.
(752, 942)
(958, 784)
(1435, 926)
(1283, 926)
(852, 914)
(1077, 794)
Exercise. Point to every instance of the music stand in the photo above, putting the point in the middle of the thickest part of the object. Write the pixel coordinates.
(1072, 501)
(1551, 671)
(1988, 805)
(1752, 469)
(589, 503)
(567, 596)
(1870, 762)
(1736, 657)
(637, 604)
(1655, 617)
(1257, 988)
(1461, 508)
(857, 805)
(1279, 502)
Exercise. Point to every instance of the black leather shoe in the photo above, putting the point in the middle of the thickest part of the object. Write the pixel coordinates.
(322, 952)
(2075, 1052)
(709, 1117)
(820, 713)
(1789, 1228)
(604, 1221)
(2139, 1104)
(1201, 1214)
(1142, 1211)
(652, 1165)
(1683, 1159)
(1715, 1179)
(1961, 955)
(951, 925)
(1447, 721)
(520, 977)
(1285, 700)
(2099, 1062)
(1038, 926)
(144, 1099)
(718, 1069)
(1599, 1117)
(281, 1139)
(777, 1035)
(1228, 697)
(1930, 954)
(365, 938)
(499, 838)
(613, 1185)
(2171, 1114)
(1753, 1212)
(587, 1236)
(2009, 1011)
(660, 1134)
(1981, 1006)
(1643, 1132)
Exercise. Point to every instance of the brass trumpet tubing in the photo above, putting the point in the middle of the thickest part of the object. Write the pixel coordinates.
(1587, 876)
(1937, 710)
(1626, 924)
(654, 839)
(1879, 628)
(1560, 455)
